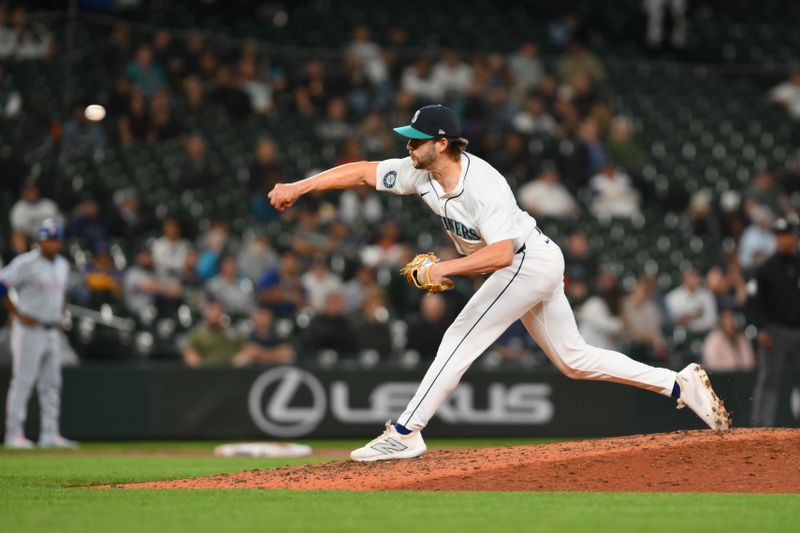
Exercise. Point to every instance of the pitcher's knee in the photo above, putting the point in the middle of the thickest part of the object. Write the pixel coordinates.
(574, 364)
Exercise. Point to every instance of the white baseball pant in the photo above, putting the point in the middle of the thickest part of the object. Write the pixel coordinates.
(531, 289)
(36, 360)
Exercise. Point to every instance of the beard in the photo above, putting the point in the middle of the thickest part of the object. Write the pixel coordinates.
(424, 161)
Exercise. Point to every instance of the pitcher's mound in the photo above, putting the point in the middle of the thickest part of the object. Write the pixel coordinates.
(741, 460)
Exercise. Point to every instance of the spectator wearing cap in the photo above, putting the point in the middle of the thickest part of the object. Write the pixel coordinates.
(774, 305)
(547, 197)
(28, 213)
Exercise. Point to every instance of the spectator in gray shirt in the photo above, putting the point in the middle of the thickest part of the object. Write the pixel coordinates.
(231, 289)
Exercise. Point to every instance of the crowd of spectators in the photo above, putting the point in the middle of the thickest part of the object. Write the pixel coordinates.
(328, 289)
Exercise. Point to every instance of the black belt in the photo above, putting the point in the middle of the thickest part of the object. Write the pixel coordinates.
(43, 325)
(521, 249)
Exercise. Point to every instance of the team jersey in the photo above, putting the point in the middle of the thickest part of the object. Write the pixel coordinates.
(479, 211)
(40, 285)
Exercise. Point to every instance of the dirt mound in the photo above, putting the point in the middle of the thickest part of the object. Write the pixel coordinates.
(741, 460)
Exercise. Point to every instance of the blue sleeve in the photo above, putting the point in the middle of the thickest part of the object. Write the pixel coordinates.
(3, 290)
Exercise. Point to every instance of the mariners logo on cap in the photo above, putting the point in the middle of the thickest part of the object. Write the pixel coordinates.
(416, 116)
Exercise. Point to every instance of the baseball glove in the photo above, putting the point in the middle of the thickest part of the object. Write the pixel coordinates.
(417, 273)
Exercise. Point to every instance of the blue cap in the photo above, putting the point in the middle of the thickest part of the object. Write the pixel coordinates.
(50, 229)
(432, 122)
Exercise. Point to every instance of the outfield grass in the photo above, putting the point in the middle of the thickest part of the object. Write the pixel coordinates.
(38, 493)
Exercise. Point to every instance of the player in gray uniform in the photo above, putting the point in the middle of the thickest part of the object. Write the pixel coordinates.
(526, 270)
(39, 278)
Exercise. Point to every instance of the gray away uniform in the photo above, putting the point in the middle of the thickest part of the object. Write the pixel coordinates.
(40, 285)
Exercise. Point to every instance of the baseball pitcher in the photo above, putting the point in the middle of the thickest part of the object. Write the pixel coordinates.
(526, 269)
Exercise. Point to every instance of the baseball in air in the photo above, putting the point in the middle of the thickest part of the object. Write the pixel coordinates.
(95, 113)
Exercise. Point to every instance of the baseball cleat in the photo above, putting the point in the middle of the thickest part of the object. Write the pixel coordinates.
(697, 394)
(18, 442)
(57, 441)
(391, 445)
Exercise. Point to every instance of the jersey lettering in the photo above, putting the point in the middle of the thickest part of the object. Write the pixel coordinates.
(459, 229)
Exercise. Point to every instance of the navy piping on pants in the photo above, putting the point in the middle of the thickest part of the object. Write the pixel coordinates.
(465, 337)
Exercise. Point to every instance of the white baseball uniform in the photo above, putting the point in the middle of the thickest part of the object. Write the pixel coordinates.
(482, 210)
(40, 286)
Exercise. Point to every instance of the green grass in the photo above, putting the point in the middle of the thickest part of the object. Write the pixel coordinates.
(39, 492)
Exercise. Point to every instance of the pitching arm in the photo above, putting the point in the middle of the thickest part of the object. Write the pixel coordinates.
(348, 176)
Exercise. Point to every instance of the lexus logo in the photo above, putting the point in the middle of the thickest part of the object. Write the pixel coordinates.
(272, 395)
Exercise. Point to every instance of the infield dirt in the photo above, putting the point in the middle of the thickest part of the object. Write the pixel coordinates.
(741, 460)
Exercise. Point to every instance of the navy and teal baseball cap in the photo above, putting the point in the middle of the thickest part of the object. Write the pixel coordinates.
(50, 229)
(432, 122)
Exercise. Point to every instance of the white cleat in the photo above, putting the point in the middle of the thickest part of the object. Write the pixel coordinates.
(697, 394)
(391, 445)
(18, 442)
(57, 441)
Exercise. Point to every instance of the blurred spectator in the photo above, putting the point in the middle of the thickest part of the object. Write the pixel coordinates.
(787, 94)
(579, 59)
(355, 289)
(118, 50)
(191, 283)
(590, 155)
(728, 288)
(193, 99)
(126, 220)
(334, 128)
(547, 197)
(80, 136)
(102, 279)
(10, 99)
(426, 330)
(757, 242)
(451, 77)
(170, 250)
(581, 93)
(774, 301)
(514, 346)
(371, 325)
(526, 67)
(513, 160)
(199, 170)
(252, 83)
(369, 55)
(418, 80)
(228, 95)
(257, 256)
(263, 347)
(375, 137)
(623, 148)
(579, 261)
(135, 124)
(726, 348)
(143, 288)
(655, 10)
(361, 206)
(87, 225)
(267, 169)
(146, 75)
(613, 195)
(163, 124)
(691, 305)
(280, 289)
(386, 250)
(534, 120)
(8, 38)
(213, 244)
(213, 342)
(703, 220)
(599, 318)
(32, 41)
(234, 291)
(18, 243)
(642, 319)
(319, 283)
(28, 213)
(308, 238)
(767, 192)
(331, 330)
